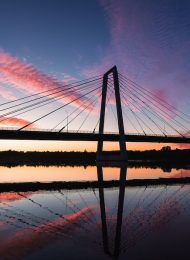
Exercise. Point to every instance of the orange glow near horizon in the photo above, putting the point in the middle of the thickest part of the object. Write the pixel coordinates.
(54, 173)
(76, 146)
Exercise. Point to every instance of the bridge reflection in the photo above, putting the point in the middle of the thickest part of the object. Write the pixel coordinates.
(122, 179)
(73, 217)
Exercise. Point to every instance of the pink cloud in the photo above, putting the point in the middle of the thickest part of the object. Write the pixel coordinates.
(13, 121)
(99, 68)
(134, 53)
(183, 146)
(139, 222)
(134, 50)
(182, 174)
(68, 78)
(1, 224)
(25, 77)
(115, 11)
(4, 93)
(23, 243)
(159, 103)
(12, 196)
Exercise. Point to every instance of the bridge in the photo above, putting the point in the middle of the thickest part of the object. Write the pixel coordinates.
(138, 113)
(45, 134)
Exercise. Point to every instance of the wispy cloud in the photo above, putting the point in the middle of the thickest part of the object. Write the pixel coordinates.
(184, 146)
(140, 45)
(14, 121)
(24, 76)
(12, 196)
(23, 243)
(7, 94)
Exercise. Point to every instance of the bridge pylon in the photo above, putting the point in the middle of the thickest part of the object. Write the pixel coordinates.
(100, 156)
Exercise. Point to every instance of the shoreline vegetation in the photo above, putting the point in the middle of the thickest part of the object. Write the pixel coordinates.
(164, 158)
(75, 185)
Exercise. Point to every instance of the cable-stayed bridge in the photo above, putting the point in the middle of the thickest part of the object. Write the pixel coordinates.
(139, 114)
(46, 134)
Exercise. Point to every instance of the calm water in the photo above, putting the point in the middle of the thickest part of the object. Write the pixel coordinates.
(152, 221)
(61, 173)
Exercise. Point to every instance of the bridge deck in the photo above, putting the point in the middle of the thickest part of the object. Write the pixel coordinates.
(85, 136)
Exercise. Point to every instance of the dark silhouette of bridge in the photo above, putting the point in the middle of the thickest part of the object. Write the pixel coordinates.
(10, 134)
(154, 120)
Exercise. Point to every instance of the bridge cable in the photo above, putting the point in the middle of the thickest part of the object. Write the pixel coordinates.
(146, 115)
(99, 118)
(140, 108)
(82, 105)
(51, 100)
(159, 116)
(81, 111)
(31, 105)
(68, 90)
(149, 101)
(123, 114)
(137, 118)
(39, 93)
(155, 114)
(164, 103)
(87, 116)
(130, 121)
(51, 94)
(86, 107)
(57, 109)
(33, 108)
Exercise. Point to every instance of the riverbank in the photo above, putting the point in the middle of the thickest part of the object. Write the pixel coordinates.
(39, 186)
(165, 159)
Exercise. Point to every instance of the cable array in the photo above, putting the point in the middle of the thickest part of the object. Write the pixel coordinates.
(150, 114)
(144, 112)
(83, 96)
(145, 209)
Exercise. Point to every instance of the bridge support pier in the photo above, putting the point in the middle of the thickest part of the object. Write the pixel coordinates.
(100, 156)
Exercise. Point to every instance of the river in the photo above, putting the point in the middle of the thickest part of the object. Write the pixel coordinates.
(138, 222)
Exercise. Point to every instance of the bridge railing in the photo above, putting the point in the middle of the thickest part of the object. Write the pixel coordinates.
(76, 131)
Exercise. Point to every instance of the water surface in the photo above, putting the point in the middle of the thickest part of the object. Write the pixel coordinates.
(147, 222)
(89, 173)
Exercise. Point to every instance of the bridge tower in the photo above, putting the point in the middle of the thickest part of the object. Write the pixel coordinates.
(114, 252)
(123, 153)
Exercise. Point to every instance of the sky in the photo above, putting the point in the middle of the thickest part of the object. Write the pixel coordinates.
(48, 44)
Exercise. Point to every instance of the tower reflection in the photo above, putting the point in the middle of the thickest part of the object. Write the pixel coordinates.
(105, 237)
